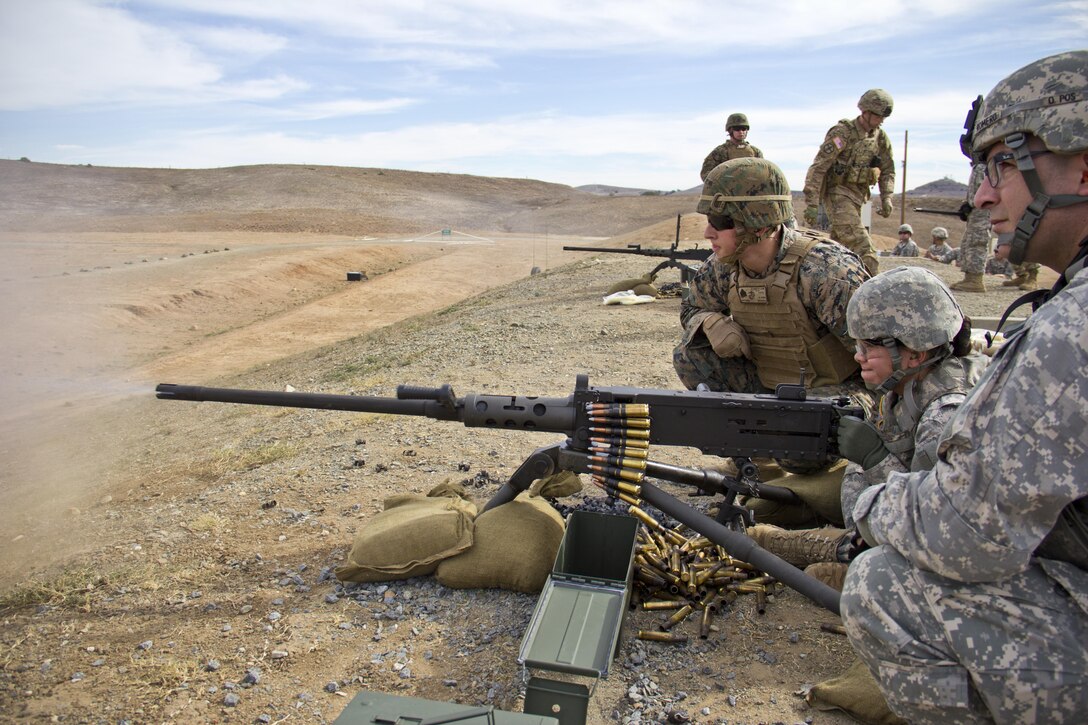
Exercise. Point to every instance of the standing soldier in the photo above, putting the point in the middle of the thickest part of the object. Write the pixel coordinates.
(972, 605)
(975, 246)
(855, 155)
(736, 147)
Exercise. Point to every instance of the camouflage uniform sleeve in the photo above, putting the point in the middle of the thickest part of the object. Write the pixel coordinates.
(887, 166)
(712, 159)
(825, 157)
(1013, 457)
(758, 153)
(829, 276)
(707, 291)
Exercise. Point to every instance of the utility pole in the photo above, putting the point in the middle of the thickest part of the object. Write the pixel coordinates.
(903, 204)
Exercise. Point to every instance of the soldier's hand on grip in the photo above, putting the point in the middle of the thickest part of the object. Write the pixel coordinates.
(860, 442)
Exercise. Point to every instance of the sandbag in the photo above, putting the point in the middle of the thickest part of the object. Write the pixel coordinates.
(411, 536)
(856, 693)
(514, 547)
(557, 485)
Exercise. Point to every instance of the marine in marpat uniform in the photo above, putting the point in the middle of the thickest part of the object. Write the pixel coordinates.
(736, 147)
(973, 604)
(770, 306)
(855, 155)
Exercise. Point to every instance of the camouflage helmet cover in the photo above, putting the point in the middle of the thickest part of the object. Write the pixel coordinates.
(908, 304)
(1047, 99)
(752, 191)
(736, 120)
(876, 100)
(906, 228)
(939, 233)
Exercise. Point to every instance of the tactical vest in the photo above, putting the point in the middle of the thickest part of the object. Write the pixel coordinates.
(898, 417)
(734, 150)
(783, 338)
(859, 163)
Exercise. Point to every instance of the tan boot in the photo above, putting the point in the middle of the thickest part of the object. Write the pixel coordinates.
(1031, 280)
(799, 547)
(830, 573)
(971, 282)
(1015, 281)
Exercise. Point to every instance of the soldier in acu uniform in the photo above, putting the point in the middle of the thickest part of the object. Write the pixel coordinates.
(855, 155)
(736, 147)
(973, 604)
(975, 246)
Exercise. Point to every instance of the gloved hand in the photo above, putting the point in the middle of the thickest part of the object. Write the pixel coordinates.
(885, 206)
(811, 213)
(860, 442)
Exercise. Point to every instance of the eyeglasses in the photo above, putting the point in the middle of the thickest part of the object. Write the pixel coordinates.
(992, 166)
(720, 222)
(865, 347)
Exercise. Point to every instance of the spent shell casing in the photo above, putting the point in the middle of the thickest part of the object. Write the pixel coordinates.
(761, 600)
(679, 616)
(663, 604)
(661, 636)
(833, 628)
(651, 580)
(704, 624)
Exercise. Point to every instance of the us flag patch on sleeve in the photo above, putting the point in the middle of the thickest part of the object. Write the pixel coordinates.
(839, 143)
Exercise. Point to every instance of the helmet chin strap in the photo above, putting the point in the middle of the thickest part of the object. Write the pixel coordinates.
(1041, 201)
(901, 373)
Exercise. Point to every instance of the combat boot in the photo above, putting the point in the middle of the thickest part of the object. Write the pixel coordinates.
(831, 573)
(1016, 281)
(1031, 280)
(971, 282)
(799, 547)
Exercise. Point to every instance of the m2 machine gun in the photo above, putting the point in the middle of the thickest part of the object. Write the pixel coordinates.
(673, 255)
(609, 433)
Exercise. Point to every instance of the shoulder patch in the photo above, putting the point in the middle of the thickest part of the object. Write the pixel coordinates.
(827, 148)
(839, 143)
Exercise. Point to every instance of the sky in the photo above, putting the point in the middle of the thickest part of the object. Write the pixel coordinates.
(630, 94)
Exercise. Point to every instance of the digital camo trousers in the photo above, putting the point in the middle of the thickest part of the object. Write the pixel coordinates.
(944, 651)
(975, 247)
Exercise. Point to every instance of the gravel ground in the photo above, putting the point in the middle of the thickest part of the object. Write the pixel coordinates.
(204, 593)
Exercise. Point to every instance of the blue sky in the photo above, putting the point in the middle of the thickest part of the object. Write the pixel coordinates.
(631, 93)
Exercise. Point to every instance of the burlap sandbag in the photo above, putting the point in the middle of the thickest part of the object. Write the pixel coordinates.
(514, 548)
(821, 493)
(411, 536)
(856, 693)
(557, 485)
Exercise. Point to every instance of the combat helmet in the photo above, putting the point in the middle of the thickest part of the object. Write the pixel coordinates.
(1047, 99)
(751, 191)
(876, 100)
(907, 305)
(736, 120)
(939, 233)
(905, 228)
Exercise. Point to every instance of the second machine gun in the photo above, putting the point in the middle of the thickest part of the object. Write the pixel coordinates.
(673, 255)
(609, 431)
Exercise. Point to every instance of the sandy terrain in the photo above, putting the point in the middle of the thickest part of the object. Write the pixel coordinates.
(129, 520)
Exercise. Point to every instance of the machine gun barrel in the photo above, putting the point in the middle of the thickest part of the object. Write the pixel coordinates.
(698, 255)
